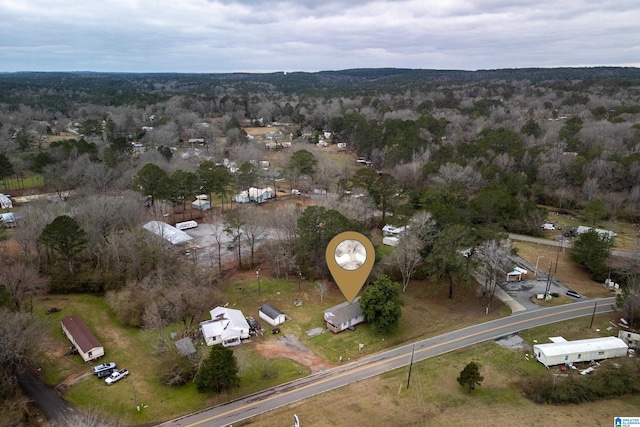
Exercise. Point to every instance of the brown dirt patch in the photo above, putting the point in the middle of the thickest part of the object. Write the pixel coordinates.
(290, 347)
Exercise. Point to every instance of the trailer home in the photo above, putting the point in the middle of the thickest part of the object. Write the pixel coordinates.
(568, 352)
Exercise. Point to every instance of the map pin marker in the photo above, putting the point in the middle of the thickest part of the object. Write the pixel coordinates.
(350, 257)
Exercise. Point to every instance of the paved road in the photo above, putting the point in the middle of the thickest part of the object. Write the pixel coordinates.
(567, 242)
(267, 400)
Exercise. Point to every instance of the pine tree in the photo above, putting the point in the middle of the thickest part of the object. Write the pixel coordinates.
(470, 376)
(219, 371)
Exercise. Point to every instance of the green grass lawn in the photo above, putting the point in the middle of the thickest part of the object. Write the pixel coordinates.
(427, 312)
(29, 182)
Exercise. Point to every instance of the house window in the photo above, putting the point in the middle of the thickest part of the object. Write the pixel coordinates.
(579, 356)
(601, 353)
(90, 353)
(566, 358)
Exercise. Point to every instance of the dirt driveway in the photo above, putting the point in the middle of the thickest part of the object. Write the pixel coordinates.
(290, 347)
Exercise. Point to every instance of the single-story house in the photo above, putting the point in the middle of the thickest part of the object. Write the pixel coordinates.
(260, 194)
(5, 202)
(343, 316)
(391, 231)
(82, 338)
(242, 197)
(201, 203)
(227, 327)
(8, 219)
(567, 352)
(271, 315)
(167, 232)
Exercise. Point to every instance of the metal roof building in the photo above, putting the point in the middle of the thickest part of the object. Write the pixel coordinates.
(568, 352)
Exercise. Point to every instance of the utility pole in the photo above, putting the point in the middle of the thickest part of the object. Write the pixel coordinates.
(559, 250)
(413, 349)
(593, 314)
(258, 274)
(546, 292)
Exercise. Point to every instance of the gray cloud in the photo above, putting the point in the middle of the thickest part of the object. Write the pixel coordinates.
(308, 35)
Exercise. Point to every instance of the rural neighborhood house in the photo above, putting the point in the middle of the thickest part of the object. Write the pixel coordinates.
(562, 352)
(227, 327)
(344, 316)
(82, 338)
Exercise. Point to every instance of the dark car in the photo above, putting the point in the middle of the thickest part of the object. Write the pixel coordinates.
(104, 367)
(105, 373)
(573, 294)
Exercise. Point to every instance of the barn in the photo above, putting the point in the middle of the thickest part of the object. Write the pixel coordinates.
(82, 338)
(566, 352)
(271, 315)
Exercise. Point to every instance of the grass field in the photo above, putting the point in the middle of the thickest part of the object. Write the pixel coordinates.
(434, 397)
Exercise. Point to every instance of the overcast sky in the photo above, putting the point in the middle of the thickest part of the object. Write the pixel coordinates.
(315, 35)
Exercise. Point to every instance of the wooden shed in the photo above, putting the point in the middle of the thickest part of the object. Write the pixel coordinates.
(271, 315)
(568, 352)
(82, 338)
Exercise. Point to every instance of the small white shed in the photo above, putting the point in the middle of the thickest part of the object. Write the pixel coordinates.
(561, 353)
(271, 315)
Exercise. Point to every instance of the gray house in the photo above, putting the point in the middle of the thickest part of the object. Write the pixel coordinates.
(343, 316)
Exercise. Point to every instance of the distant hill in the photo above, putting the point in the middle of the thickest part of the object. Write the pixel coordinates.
(51, 90)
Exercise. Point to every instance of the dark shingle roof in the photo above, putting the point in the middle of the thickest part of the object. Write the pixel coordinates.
(343, 312)
(271, 311)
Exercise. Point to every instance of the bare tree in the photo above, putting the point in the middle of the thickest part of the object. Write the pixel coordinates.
(254, 230)
(406, 257)
(494, 258)
(321, 287)
(23, 281)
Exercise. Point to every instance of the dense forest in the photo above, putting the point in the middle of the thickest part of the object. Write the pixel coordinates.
(461, 157)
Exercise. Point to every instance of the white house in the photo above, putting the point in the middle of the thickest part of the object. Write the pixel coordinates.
(391, 231)
(566, 352)
(227, 327)
(344, 316)
(201, 203)
(82, 338)
(8, 219)
(271, 315)
(5, 202)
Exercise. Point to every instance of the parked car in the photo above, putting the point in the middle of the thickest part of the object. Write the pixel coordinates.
(548, 226)
(104, 367)
(573, 294)
(295, 192)
(116, 376)
(105, 373)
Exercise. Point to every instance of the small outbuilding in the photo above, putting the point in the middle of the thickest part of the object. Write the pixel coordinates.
(344, 316)
(82, 338)
(271, 315)
(568, 352)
